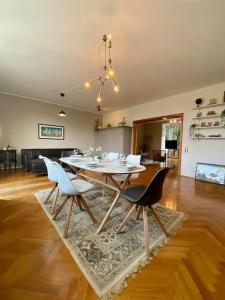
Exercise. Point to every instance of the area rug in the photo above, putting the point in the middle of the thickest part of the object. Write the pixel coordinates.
(107, 259)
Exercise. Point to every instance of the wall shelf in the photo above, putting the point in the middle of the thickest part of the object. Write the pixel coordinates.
(205, 117)
(208, 138)
(208, 106)
(209, 127)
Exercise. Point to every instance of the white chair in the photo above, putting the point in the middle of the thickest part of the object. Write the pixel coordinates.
(131, 159)
(53, 177)
(73, 190)
(112, 156)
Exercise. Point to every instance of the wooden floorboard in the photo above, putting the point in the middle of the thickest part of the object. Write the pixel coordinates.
(35, 264)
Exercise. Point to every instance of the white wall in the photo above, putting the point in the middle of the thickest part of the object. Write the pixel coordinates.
(208, 151)
(19, 120)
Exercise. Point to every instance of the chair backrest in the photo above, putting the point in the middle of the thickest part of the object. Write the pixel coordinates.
(51, 170)
(153, 192)
(66, 153)
(64, 183)
(112, 156)
(159, 155)
(133, 159)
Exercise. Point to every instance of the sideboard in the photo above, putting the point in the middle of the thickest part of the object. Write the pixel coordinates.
(114, 139)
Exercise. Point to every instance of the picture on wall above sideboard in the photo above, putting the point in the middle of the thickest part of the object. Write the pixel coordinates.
(52, 132)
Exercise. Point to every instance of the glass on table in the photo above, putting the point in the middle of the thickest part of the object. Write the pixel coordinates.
(122, 159)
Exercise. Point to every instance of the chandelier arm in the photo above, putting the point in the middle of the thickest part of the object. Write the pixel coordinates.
(79, 86)
(99, 58)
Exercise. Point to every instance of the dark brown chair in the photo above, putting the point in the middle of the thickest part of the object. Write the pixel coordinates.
(144, 197)
(159, 155)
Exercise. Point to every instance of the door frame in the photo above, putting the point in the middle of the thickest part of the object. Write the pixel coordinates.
(137, 123)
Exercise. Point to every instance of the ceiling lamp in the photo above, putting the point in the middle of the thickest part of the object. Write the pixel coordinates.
(106, 72)
(62, 113)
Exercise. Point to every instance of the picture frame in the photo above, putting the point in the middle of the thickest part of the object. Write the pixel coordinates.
(51, 132)
(212, 173)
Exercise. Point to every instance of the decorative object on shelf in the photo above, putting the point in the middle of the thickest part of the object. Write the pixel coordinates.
(98, 124)
(52, 132)
(203, 124)
(199, 115)
(210, 173)
(199, 135)
(8, 147)
(223, 113)
(209, 124)
(122, 123)
(106, 71)
(62, 113)
(191, 129)
(108, 125)
(216, 123)
(214, 135)
(198, 101)
(212, 101)
(211, 113)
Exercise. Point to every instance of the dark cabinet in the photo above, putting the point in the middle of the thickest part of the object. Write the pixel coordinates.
(7, 158)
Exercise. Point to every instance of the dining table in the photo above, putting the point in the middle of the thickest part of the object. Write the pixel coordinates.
(107, 169)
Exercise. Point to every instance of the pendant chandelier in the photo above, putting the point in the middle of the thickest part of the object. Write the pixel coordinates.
(106, 72)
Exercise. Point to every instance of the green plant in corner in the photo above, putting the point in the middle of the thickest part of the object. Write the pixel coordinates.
(122, 123)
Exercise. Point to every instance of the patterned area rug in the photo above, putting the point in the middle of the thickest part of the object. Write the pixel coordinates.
(107, 259)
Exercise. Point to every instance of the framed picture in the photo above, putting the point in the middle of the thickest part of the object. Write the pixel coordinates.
(52, 132)
(210, 173)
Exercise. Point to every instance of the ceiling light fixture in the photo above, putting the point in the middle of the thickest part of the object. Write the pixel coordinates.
(106, 71)
(62, 113)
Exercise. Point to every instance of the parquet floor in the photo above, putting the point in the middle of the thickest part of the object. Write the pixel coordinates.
(35, 265)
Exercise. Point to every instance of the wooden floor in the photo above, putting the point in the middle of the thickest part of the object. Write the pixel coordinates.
(35, 264)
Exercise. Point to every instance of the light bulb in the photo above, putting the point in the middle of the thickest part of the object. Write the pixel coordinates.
(62, 113)
(116, 88)
(87, 84)
(109, 36)
(99, 98)
(111, 72)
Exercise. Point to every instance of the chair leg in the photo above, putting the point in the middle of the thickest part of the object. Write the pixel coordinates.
(82, 200)
(49, 195)
(159, 221)
(145, 218)
(60, 208)
(126, 218)
(78, 202)
(140, 210)
(55, 200)
(66, 227)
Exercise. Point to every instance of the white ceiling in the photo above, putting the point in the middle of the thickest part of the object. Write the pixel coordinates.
(160, 48)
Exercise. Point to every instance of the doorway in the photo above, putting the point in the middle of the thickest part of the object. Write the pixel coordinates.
(161, 133)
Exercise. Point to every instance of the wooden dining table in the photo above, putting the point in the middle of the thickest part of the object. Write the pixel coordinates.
(108, 169)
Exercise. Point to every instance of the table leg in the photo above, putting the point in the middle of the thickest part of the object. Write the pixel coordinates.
(108, 213)
(114, 202)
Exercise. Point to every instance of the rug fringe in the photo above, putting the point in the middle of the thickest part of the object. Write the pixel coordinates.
(119, 286)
